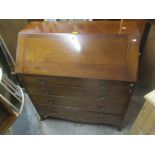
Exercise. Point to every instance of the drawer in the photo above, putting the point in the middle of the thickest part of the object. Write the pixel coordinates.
(75, 92)
(79, 116)
(75, 82)
(100, 105)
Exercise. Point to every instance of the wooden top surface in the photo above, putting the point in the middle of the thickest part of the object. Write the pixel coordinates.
(98, 50)
(86, 27)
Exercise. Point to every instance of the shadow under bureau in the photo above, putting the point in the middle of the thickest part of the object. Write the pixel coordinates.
(79, 71)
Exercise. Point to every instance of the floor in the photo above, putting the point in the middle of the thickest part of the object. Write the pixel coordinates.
(29, 123)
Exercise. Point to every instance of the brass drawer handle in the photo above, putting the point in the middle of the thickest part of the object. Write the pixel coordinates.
(100, 118)
(41, 82)
(46, 92)
(54, 113)
(50, 102)
(102, 98)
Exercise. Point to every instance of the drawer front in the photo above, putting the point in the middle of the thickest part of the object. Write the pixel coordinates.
(76, 92)
(78, 115)
(75, 82)
(100, 105)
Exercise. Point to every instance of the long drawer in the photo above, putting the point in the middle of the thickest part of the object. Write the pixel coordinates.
(75, 82)
(76, 92)
(78, 115)
(100, 105)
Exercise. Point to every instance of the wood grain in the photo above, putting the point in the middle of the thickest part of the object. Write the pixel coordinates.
(97, 105)
(80, 116)
(96, 52)
(80, 71)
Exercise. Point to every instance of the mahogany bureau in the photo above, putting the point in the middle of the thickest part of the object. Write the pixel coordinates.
(79, 71)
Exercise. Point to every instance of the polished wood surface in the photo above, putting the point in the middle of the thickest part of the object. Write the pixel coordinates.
(79, 71)
(71, 96)
(79, 115)
(82, 27)
(97, 105)
(100, 51)
(77, 92)
(56, 81)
